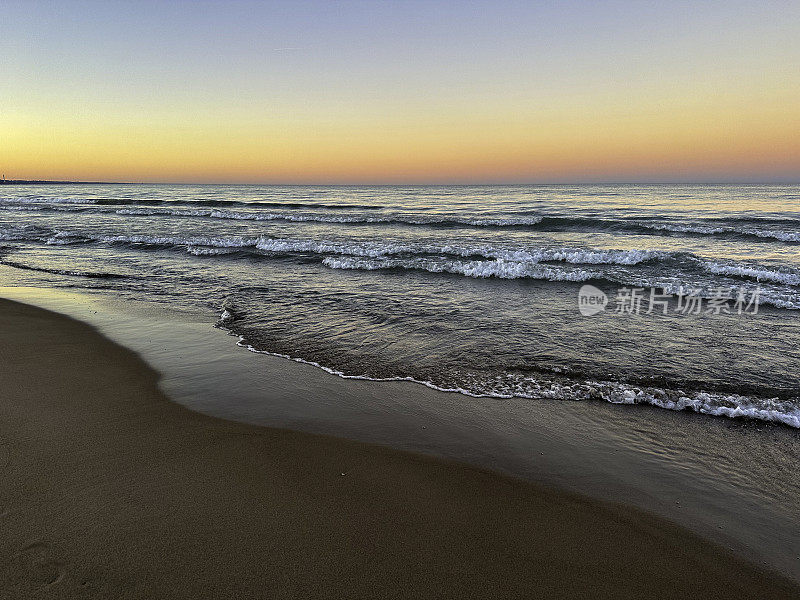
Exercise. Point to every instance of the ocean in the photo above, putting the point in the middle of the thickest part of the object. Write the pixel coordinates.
(684, 297)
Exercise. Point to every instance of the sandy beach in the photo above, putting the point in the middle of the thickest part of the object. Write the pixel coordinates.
(112, 491)
(399, 300)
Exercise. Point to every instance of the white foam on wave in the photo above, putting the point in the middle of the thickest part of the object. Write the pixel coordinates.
(777, 234)
(229, 242)
(22, 233)
(499, 268)
(733, 406)
(783, 236)
(178, 212)
(382, 249)
(343, 219)
(507, 222)
(8, 236)
(43, 200)
(681, 228)
(326, 247)
(598, 257)
(205, 251)
(63, 238)
(753, 272)
(716, 404)
(299, 217)
(375, 250)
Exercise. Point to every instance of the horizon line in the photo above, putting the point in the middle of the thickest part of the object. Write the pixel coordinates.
(398, 184)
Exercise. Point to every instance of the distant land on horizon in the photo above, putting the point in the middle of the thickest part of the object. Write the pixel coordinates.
(47, 182)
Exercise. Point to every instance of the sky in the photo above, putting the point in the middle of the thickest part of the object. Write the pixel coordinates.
(400, 92)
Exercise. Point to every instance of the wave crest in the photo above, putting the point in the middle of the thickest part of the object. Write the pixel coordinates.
(499, 268)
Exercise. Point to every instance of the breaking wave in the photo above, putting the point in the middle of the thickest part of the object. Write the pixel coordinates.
(500, 268)
(470, 261)
(365, 249)
(734, 406)
(754, 272)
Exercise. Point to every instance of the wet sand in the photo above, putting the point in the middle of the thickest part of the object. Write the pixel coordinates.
(112, 491)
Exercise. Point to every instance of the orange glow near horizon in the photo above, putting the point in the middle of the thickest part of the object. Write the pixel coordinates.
(719, 118)
(567, 146)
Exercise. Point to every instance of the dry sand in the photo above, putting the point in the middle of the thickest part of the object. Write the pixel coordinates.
(109, 490)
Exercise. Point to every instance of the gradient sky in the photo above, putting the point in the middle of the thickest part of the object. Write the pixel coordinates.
(401, 91)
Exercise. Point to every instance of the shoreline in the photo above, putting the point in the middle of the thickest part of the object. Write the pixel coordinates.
(127, 494)
(728, 482)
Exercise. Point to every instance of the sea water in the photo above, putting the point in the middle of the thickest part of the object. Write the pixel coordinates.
(474, 289)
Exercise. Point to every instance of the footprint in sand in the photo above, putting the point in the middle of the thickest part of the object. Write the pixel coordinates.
(35, 567)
